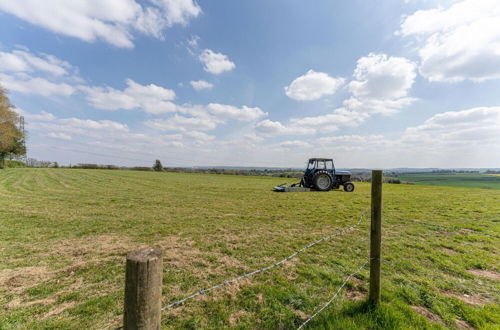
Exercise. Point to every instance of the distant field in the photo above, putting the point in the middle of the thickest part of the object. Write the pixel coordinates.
(65, 232)
(470, 180)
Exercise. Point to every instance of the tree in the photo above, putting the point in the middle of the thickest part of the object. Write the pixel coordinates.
(11, 136)
(158, 166)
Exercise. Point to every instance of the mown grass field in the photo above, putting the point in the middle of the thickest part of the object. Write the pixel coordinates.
(65, 234)
(469, 180)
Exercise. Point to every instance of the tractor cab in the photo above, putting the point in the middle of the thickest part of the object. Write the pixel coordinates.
(320, 164)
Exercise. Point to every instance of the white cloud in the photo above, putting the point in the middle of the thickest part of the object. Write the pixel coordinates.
(181, 123)
(465, 128)
(19, 67)
(269, 128)
(294, 144)
(178, 11)
(59, 136)
(205, 118)
(460, 42)
(107, 20)
(381, 85)
(41, 74)
(224, 111)
(43, 116)
(40, 86)
(350, 140)
(66, 128)
(201, 84)
(149, 98)
(215, 63)
(312, 86)
(382, 77)
(331, 122)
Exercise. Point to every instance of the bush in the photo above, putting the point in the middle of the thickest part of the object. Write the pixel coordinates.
(14, 163)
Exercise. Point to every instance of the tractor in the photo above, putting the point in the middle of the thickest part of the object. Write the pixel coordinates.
(321, 175)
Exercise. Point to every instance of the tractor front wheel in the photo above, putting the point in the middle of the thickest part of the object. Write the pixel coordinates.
(322, 181)
(349, 186)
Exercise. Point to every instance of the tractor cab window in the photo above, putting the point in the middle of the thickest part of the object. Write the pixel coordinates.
(329, 164)
(310, 165)
(321, 165)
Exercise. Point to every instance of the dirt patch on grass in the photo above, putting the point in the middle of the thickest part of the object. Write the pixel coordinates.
(235, 317)
(95, 246)
(19, 279)
(356, 292)
(18, 302)
(462, 325)
(449, 251)
(485, 273)
(468, 299)
(355, 295)
(301, 314)
(59, 309)
(428, 314)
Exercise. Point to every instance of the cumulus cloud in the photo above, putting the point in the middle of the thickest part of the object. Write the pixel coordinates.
(270, 128)
(40, 74)
(24, 61)
(107, 20)
(61, 128)
(149, 98)
(475, 126)
(230, 112)
(215, 63)
(380, 85)
(201, 85)
(182, 123)
(294, 144)
(59, 136)
(39, 86)
(312, 86)
(459, 42)
(205, 118)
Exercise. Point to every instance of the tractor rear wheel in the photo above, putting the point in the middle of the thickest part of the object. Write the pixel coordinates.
(322, 181)
(349, 186)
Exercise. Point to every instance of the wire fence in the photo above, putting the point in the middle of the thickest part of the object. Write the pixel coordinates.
(329, 302)
(444, 228)
(264, 269)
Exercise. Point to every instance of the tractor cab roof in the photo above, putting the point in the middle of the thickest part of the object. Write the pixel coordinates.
(313, 159)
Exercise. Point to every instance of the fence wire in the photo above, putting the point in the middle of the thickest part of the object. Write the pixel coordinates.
(444, 228)
(329, 302)
(263, 269)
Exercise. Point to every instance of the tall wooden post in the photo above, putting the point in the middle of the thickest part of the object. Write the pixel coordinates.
(143, 282)
(375, 237)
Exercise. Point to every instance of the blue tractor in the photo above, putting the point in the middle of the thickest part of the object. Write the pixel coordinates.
(321, 175)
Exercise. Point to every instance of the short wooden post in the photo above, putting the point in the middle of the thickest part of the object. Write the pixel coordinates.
(143, 283)
(375, 237)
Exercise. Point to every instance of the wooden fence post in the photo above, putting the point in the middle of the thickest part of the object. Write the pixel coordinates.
(143, 283)
(375, 237)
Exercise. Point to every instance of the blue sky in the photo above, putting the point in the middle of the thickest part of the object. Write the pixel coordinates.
(256, 83)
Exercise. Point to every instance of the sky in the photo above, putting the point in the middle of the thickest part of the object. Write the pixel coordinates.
(371, 84)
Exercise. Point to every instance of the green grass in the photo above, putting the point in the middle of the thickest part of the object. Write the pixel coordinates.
(469, 180)
(64, 234)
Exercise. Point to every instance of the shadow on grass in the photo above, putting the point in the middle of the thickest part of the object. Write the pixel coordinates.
(363, 315)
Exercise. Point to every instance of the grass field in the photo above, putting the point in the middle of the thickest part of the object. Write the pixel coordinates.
(65, 234)
(469, 180)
